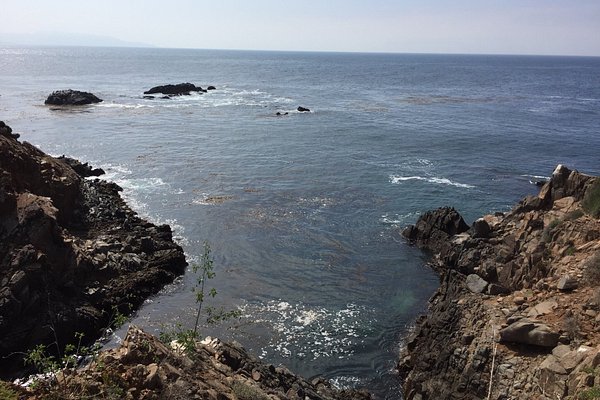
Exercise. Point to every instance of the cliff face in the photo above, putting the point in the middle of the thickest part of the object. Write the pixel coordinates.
(517, 311)
(71, 251)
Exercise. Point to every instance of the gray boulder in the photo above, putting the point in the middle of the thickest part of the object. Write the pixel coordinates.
(476, 284)
(525, 331)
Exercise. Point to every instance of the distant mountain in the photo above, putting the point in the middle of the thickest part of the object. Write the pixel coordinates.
(66, 39)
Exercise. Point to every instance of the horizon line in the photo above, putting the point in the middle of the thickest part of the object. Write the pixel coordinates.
(151, 46)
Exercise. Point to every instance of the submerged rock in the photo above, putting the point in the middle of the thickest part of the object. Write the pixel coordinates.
(303, 109)
(71, 97)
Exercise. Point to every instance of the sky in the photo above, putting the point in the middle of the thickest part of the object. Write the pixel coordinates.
(552, 27)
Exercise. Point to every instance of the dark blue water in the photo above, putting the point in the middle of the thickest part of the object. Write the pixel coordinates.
(306, 234)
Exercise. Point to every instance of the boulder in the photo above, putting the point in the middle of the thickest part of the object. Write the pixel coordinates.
(6, 130)
(481, 229)
(71, 97)
(434, 229)
(566, 283)
(475, 283)
(211, 88)
(529, 332)
(303, 109)
(176, 90)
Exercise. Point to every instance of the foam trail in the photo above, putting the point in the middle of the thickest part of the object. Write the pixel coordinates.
(443, 181)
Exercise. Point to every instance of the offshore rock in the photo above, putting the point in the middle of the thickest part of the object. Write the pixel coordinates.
(303, 109)
(70, 254)
(71, 97)
(533, 259)
(176, 90)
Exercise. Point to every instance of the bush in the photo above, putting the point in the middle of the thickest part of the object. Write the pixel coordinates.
(591, 269)
(591, 199)
(6, 392)
(591, 393)
(573, 215)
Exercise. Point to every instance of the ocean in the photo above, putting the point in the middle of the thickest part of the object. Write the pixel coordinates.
(303, 212)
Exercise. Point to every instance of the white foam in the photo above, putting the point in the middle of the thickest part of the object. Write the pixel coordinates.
(345, 382)
(442, 181)
(398, 219)
(310, 332)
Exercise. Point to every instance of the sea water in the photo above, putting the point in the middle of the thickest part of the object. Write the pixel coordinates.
(303, 212)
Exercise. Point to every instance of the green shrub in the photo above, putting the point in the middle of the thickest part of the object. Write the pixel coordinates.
(591, 199)
(247, 392)
(589, 394)
(573, 215)
(591, 269)
(6, 392)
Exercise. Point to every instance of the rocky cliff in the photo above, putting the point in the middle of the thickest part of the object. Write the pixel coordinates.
(517, 313)
(71, 253)
(145, 368)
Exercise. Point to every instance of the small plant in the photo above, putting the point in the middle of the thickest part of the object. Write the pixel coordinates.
(573, 215)
(247, 392)
(591, 269)
(589, 394)
(206, 272)
(186, 338)
(6, 392)
(571, 326)
(50, 365)
(549, 230)
(591, 199)
(588, 369)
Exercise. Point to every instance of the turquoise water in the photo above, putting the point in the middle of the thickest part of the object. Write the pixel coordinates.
(306, 232)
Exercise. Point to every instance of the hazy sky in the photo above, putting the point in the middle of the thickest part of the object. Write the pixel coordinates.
(415, 26)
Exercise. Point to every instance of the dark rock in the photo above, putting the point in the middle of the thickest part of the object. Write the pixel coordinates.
(529, 332)
(176, 90)
(149, 97)
(71, 97)
(83, 169)
(495, 289)
(434, 229)
(279, 114)
(481, 229)
(211, 88)
(6, 130)
(303, 109)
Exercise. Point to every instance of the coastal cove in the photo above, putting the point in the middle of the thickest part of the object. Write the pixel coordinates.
(304, 211)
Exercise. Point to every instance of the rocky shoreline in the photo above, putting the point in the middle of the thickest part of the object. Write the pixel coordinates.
(517, 313)
(72, 253)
